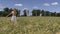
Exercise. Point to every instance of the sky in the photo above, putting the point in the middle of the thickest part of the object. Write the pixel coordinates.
(50, 5)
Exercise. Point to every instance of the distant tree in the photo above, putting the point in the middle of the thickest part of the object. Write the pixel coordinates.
(25, 13)
(52, 14)
(10, 10)
(36, 12)
(18, 13)
(43, 13)
(55, 13)
(58, 14)
(47, 13)
(6, 11)
(1, 13)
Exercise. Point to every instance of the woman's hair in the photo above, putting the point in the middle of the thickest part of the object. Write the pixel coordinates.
(15, 11)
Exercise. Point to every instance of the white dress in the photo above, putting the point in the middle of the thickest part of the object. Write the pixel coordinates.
(13, 18)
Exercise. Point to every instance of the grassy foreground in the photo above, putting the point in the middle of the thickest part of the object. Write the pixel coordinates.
(30, 25)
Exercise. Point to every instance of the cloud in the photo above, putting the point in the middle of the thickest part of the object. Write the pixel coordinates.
(35, 7)
(57, 11)
(18, 4)
(25, 9)
(46, 4)
(54, 3)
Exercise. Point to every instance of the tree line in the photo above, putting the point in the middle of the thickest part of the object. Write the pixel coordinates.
(35, 12)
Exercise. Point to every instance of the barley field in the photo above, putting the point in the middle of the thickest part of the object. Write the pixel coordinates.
(30, 25)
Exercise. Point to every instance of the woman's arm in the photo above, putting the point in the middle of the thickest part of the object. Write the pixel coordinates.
(8, 14)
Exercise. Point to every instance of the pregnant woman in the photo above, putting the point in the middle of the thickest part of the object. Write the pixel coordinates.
(13, 18)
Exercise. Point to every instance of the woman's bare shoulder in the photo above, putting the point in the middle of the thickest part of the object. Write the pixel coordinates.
(12, 11)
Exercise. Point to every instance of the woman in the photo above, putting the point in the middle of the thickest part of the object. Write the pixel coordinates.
(14, 12)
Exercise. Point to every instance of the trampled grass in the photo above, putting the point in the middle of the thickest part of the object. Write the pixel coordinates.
(30, 25)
